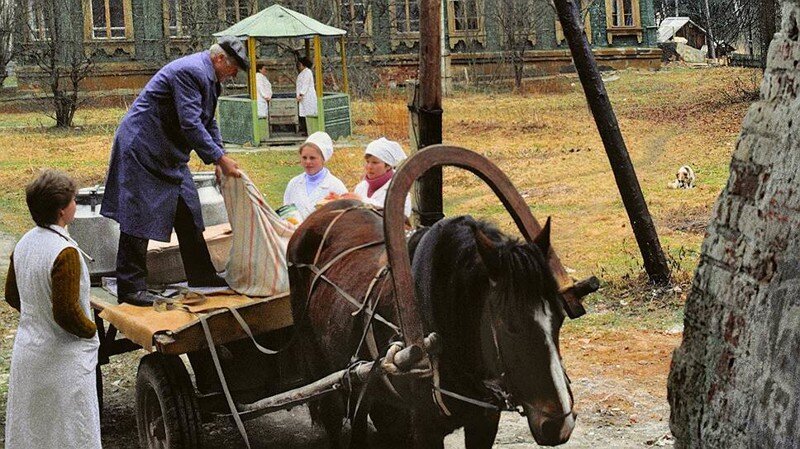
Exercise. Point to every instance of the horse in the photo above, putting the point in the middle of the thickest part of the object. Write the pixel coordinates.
(490, 297)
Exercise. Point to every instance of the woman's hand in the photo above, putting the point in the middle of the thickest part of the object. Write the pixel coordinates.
(350, 196)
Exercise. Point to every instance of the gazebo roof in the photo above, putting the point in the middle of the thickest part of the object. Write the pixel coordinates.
(280, 22)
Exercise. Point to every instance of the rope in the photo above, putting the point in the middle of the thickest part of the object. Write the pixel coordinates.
(228, 397)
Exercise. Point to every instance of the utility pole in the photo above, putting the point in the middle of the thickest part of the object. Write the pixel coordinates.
(429, 112)
(641, 222)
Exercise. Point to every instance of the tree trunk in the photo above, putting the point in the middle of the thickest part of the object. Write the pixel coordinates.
(519, 71)
(767, 27)
(735, 380)
(712, 51)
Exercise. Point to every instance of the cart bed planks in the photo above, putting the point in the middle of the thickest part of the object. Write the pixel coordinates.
(262, 315)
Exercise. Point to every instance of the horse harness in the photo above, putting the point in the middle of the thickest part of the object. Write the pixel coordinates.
(501, 400)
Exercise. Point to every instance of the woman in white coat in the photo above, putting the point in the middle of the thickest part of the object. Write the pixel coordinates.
(306, 93)
(264, 90)
(381, 157)
(52, 394)
(316, 182)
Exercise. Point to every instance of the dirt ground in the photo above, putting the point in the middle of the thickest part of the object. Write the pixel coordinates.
(619, 382)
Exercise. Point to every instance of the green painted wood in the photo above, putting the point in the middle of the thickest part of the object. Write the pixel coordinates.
(235, 119)
(338, 122)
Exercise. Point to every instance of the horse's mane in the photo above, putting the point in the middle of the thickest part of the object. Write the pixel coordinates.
(452, 283)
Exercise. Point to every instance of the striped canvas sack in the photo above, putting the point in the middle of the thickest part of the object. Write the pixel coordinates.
(257, 264)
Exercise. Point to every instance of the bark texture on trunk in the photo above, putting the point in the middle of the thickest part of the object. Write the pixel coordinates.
(735, 379)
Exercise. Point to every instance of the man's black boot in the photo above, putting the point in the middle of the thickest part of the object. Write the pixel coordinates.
(141, 298)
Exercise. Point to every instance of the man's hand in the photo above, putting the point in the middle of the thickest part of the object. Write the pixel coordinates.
(227, 166)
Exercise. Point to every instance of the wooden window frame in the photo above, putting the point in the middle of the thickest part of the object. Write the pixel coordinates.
(181, 33)
(397, 37)
(587, 23)
(456, 36)
(612, 29)
(89, 22)
(109, 45)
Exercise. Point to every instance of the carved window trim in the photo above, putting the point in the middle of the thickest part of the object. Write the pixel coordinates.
(587, 23)
(615, 29)
(478, 34)
(181, 32)
(111, 44)
(397, 37)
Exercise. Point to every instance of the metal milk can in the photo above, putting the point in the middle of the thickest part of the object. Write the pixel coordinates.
(212, 204)
(98, 236)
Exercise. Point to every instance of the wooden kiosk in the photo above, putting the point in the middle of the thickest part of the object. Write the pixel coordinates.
(238, 114)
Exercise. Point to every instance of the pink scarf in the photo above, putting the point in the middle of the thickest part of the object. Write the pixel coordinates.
(377, 183)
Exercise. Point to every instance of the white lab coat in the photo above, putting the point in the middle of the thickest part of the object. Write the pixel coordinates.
(264, 89)
(379, 196)
(305, 87)
(306, 204)
(52, 394)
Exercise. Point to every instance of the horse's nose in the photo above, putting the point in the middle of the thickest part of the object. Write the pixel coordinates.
(549, 431)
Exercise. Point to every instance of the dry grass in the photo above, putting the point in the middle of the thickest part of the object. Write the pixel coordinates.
(544, 139)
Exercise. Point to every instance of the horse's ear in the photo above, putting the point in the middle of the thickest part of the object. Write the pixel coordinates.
(542, 240)
(490, 256)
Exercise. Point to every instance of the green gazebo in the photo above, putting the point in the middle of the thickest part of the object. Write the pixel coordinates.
(238, 114)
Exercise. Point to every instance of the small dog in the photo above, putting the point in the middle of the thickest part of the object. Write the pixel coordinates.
(684, 179)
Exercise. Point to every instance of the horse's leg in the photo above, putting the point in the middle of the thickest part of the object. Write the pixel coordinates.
(358, 426)
(481, 432)
(328, 411)
(393, 424)
(425, 434)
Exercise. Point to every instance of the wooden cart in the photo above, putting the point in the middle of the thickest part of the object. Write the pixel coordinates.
(170, 407)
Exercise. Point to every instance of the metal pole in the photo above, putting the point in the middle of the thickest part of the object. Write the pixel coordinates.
(345, 80)
(641, 222)
(430, 111)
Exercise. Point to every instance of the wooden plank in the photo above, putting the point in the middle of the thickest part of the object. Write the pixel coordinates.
(262, 316)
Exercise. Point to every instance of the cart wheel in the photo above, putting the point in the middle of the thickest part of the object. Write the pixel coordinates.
(167, 414)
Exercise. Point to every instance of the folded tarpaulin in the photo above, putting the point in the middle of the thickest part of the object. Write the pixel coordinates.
(257, 264)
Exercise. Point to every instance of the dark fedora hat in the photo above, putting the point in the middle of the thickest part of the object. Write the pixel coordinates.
(234, 48)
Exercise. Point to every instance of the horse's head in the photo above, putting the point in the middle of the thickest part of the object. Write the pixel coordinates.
(522, 319)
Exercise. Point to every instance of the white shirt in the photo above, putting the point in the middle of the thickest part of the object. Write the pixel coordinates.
(306, 204)
(264, 90)
(379, 196)
(305, 87)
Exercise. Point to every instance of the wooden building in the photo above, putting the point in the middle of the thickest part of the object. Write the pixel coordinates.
(128, 40)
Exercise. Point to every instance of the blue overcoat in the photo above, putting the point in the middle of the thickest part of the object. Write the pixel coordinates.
(148, 171)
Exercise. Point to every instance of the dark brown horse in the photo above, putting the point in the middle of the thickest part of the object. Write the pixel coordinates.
(489, 297)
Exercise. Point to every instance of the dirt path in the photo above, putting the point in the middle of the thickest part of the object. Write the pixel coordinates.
(619, 382)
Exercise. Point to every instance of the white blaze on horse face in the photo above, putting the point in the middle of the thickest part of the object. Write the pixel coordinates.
(544, 318)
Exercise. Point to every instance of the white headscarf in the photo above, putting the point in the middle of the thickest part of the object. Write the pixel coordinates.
(323, 141)
(389, 151)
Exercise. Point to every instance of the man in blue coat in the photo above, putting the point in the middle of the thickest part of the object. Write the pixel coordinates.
(149, 188)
